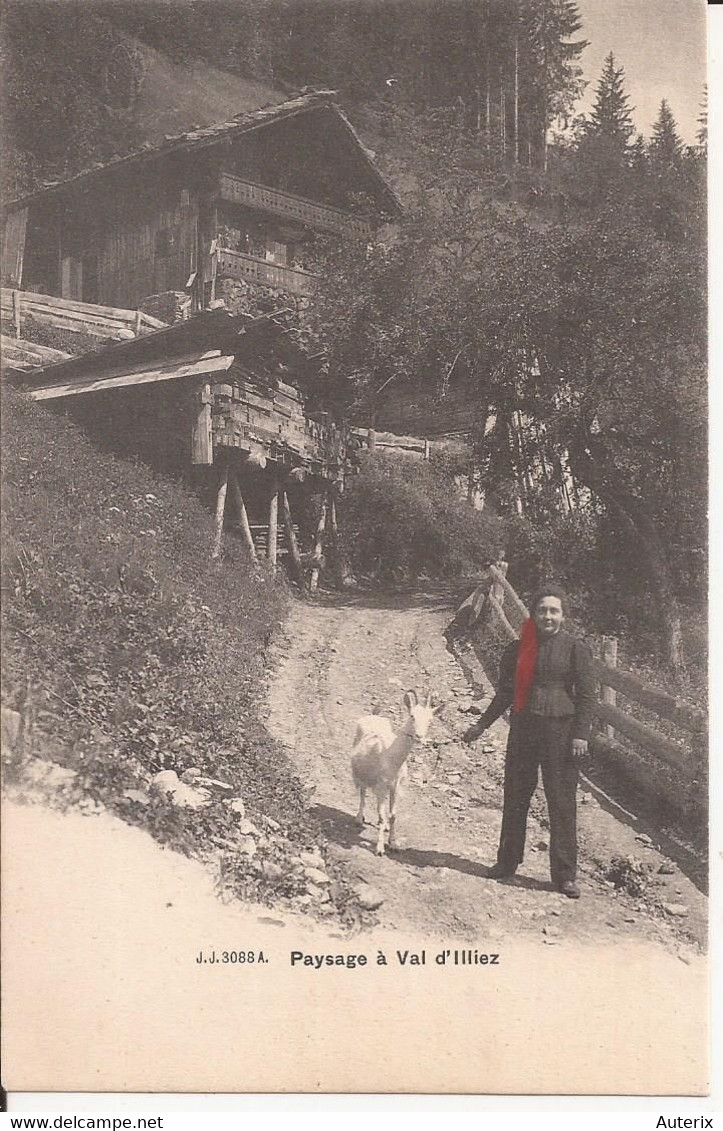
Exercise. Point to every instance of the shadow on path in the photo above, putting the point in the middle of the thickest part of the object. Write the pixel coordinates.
(341, 828)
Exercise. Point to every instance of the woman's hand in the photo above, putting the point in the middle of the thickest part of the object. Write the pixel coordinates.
(472, 733)
(579, 748)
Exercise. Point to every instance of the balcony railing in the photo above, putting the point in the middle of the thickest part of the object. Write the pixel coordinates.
(238, 265)
(307, 212)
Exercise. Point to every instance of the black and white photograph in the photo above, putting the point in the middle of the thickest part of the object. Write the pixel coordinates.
(355, 547)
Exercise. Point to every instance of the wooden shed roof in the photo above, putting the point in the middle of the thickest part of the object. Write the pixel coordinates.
(211, 334)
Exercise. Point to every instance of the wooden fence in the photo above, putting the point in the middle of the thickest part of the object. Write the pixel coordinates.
(496, 600)
(109, 322)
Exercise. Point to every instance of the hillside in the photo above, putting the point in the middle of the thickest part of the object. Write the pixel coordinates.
(128, 654)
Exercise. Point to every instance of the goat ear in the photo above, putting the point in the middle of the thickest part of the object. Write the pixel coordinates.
(437, 708)
(410, 699)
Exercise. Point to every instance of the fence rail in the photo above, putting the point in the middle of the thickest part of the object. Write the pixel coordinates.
(487, 602)
(108, 322)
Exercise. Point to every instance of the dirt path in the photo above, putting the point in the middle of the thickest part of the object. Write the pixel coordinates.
(343, 658)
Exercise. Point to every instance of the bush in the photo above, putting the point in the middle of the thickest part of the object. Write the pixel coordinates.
(402, 519)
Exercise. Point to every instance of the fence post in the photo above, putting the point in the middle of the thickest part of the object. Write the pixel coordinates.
(497, 589)
(16, 313)
(610, 657)
(426, 449)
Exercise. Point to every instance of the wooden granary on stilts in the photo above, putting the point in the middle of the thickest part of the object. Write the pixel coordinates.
(210, 400)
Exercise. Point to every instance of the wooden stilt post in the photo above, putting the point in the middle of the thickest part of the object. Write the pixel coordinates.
(272, 548)
(318, 547)
(220, 510)
(138, 323)
(238, 499)
(291, 539)
(426, 449)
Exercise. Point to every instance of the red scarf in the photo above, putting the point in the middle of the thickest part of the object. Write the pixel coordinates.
(526, 661)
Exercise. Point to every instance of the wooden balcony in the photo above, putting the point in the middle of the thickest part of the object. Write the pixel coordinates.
(318, 216)
(237, 265)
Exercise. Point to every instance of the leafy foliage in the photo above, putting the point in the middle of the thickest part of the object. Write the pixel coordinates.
(403, 519)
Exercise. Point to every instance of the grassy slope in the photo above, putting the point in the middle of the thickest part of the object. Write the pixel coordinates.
(140, 651)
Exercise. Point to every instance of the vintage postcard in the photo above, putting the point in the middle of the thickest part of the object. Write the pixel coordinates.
(354, 635)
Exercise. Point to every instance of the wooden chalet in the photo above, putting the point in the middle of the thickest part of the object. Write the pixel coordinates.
(237, 200)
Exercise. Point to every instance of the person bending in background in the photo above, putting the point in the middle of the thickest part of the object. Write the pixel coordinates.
(547, 678)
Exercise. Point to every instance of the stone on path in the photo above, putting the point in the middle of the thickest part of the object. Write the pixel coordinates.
(369, 897)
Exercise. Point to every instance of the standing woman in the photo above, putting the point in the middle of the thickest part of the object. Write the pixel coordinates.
(547, 678)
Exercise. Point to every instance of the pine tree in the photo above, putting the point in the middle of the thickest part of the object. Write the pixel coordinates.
(666, 148)
(553, 77)
(702, 134)
(611, 117)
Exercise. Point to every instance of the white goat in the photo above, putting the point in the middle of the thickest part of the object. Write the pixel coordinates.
(379, 760)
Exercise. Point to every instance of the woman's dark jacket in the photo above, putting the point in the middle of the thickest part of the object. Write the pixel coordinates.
(564, 684)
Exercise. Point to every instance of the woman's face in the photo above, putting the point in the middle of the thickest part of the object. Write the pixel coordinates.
(548, 615)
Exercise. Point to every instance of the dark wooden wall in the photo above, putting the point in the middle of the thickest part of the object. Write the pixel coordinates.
(148, 243)
(117, 244)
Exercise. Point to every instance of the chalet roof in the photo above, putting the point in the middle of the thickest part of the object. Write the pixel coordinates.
(302, 103)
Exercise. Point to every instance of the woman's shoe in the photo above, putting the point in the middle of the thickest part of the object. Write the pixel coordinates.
(500, 871)
(570, 889)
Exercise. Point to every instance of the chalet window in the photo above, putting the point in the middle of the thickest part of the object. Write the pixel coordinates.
(167, 242)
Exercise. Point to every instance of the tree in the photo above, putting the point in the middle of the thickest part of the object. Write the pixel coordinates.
(611, 116)
(603, 153)
(666, 148)
(550, 62)
(702, 134)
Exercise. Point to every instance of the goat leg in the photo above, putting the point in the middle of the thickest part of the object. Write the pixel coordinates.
(383, 826)
(392, 815)
(360, 813)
